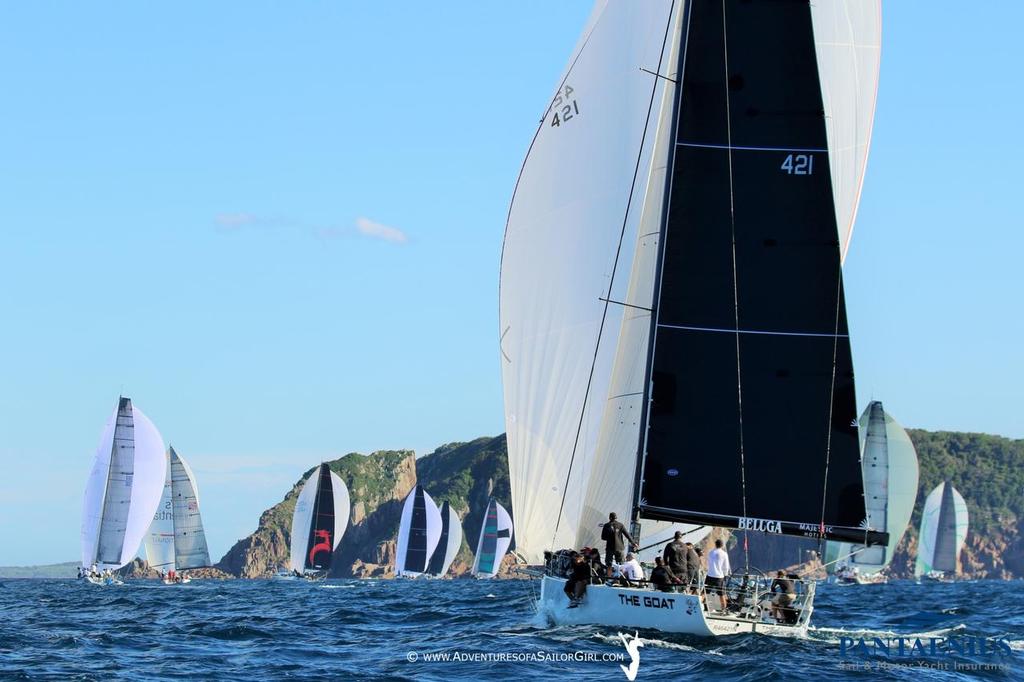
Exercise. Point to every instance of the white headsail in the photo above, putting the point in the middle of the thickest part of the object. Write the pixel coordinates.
(418, 533)
(495, 538)
(124, 488)
(572, 229)
(848, 42)
(889, 463)
(319, 521)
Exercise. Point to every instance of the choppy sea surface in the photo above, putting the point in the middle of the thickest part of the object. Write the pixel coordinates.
(386, 629)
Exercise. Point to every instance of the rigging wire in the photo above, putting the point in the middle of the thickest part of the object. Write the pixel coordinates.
(735, 285)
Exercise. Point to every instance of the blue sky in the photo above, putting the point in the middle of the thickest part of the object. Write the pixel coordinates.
(277, 227)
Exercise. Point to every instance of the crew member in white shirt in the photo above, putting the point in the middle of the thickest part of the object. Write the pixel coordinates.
(718, 570)
(631, 569)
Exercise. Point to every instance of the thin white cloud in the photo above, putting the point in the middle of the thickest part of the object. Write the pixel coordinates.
(234, 221)
(379, 231)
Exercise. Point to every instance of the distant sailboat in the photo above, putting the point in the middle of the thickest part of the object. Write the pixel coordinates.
(449, 544)
(123, 491)
(176, 540)
(889, 464)
(495, 538)
(419, 533)
(319, 522)
(944, 522)
(673, 330)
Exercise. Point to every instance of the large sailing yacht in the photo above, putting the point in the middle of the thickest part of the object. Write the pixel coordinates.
(673, 329)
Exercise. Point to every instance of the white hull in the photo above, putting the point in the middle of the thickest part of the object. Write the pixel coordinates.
(184, 581)
(665, 611)
(103, 581)
(869, 579)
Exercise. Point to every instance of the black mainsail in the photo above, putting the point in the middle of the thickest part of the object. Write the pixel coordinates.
(751, 375)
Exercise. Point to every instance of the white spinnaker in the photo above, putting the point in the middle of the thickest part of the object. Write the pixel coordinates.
(301, 518)
(848, 42)
(160, 538)
(341, 507)
(565, 224)
(451, 548)
(609, 488)
(124, 488)
(889, 462)
(415, 563)
(190, 549)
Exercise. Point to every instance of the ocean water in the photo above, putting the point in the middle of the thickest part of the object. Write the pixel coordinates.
(386, 629)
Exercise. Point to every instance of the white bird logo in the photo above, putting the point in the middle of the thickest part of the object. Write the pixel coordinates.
(633, 647)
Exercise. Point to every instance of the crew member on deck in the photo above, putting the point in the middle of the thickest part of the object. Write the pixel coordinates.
(786, 595)
(692, 566)
(718, 569)
(662, 576)
(675, 555)
(576, 585)
(613, 533)
(631, 570)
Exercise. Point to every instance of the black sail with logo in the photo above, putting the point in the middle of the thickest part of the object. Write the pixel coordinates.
(321, 529)
(752, 419)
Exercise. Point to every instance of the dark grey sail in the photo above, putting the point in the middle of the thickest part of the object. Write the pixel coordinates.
(416, 554)
(752, 412)
(945, 535)
(437, 560)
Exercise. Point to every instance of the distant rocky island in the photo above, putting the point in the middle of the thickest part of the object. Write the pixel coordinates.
(988, 471)
(462, 474)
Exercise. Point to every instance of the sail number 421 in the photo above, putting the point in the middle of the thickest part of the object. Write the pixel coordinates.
(564, 106)
(798, 164)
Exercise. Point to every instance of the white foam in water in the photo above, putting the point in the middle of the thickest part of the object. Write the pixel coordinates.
(659, 643)
(833, 635)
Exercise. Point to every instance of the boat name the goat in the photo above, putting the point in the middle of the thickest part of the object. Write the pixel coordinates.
(649, 602)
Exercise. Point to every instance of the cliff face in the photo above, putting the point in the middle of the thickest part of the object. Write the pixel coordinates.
(377, 484)
(462, 474)
(987, 470)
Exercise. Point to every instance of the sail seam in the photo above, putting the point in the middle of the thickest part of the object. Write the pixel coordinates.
(731, 147)
(751, 331)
